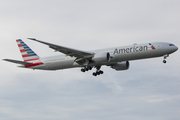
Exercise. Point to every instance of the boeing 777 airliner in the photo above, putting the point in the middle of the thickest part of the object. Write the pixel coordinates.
(117, 58)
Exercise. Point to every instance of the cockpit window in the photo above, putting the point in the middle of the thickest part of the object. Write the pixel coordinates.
(171, 44)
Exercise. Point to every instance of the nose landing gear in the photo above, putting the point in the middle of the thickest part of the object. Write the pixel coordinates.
(165, 56)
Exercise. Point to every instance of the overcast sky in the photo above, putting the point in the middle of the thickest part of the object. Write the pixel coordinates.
(149, 90)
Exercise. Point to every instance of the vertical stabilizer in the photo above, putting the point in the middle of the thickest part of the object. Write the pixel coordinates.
(27, 54)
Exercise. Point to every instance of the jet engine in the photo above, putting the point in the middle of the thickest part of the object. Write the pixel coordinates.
(121, 65)
(101, 57)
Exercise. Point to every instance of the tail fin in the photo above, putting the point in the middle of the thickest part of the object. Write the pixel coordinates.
(27, 54)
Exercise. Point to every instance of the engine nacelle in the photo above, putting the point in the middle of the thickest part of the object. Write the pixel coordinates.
(121, 65)
(101, 57)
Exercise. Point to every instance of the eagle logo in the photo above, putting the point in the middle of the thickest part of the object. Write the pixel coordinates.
(152, 46)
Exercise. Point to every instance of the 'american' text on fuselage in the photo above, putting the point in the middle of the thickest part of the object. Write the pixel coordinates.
(129, 50)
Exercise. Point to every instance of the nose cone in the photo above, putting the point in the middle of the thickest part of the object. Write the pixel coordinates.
(175, 48)
(172, 48)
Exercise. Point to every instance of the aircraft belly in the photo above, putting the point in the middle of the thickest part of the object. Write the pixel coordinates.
(63, 64)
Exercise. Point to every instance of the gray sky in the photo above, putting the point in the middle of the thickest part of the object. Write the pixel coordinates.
(148, 90)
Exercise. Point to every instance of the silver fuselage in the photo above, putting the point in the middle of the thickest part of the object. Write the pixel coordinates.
(118, 54)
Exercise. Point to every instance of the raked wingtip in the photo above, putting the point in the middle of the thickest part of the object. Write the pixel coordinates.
(31, 38)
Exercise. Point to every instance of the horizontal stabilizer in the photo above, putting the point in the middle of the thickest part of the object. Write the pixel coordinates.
(17, 61)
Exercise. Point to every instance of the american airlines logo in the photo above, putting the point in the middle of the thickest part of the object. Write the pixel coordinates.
(132, 49)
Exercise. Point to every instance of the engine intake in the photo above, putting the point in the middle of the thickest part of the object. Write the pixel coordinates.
(101, 57)
(121, 65)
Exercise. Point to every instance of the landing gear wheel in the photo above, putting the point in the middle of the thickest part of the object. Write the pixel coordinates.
(94, 74)
(90, 68)
(101, 72)
(164, 61)
(82, 70)
(98, 73)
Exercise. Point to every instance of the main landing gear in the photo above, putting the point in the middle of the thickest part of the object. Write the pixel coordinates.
(98, 71)
(165, 56)
(86, 69)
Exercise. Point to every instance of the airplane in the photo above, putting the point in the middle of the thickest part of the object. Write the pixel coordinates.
(117, 58)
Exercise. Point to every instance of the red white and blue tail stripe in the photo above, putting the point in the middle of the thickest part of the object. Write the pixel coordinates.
(26, 52)
(28, 55)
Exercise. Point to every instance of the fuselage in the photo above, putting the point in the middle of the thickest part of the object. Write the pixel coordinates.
(118, 54)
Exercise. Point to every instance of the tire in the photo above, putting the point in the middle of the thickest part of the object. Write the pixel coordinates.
(94, 74)
(101, 72)
(164, 61)
(98, 73)
(82, 70)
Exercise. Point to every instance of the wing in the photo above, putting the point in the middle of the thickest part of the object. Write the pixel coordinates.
(17, 61)
(68, 51)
